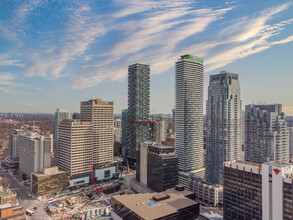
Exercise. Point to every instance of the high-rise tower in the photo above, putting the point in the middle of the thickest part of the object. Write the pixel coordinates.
(266, 134)
(189, 112)
(138, 107)
(224, 124)
(60, 115)
(101, 115)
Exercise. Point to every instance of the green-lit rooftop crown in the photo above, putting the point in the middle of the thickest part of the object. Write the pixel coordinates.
(191, 58)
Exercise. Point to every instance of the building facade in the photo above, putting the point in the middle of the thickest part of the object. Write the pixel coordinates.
(101, 115)
(138, 107)
(242, 190)
(34, 152)
(158, 128)
(258, 191)
(223, 124)
(189, 112)
(157, 166)
(60, 115)
(124, 127)
(290, 129)
(117, 130)
(266, 134)
(75, 146)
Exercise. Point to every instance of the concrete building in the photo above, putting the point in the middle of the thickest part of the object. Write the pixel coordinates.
(290, 129)
(258, 191)
(208, 194)
(187, 178)
(151, 206)
(223, 124)
(158, 129)
(117, 130)
(266, 134)
(75, 146)
(101, 115)
(10, 212)
(189, 112)
(157, 166)
(13, 159)
(50, 181)
(124, 127)
(138, 107)
(34, 152)
(60, 115)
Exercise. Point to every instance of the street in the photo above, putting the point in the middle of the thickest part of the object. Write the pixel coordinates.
(25, 200)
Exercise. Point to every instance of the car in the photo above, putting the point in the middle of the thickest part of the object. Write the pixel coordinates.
(35, 208)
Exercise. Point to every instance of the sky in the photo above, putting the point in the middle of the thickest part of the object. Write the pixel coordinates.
(56, 53)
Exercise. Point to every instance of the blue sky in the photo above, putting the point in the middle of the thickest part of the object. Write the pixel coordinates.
(55, 53)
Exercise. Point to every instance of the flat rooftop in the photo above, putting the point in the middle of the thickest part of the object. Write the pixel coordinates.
(144, 205)
(50, 174)
(244, 164)
(6, 194)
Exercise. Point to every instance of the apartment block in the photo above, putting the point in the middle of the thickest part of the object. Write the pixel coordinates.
(34, 152)
(266, 134)
(223, 124)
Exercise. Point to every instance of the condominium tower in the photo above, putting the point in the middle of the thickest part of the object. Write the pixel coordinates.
(266, 134)
(138, 107)
(290, 142)
(101, 115)
(189, 112)
(124, 127)
(223, 124)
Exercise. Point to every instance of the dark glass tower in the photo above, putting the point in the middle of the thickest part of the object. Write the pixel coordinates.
(138, 107)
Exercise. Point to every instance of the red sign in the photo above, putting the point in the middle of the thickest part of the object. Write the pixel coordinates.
(96, 102)
(277, 171)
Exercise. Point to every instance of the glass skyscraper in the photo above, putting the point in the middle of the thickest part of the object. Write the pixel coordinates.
(138, 107)
(223, 124)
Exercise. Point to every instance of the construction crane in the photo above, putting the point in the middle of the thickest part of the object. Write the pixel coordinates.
(98, 190)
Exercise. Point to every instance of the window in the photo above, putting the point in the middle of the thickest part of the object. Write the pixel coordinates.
(107, 173)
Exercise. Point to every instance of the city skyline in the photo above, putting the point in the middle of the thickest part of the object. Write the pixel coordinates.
(80, 50)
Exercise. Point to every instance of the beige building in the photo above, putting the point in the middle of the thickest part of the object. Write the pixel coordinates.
(101, 115)
(75, 146)
(208, 193)
(34, 152)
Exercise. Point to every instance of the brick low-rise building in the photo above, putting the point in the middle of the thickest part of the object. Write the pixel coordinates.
(9, 212)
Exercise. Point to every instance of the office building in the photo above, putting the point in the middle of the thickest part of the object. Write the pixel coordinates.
(138, 107)
(50, 181)
(124, 127)
(101, 115)
(34, 152)
(158, 129)
(266, 134)
(290, 129)
(150, 206)
(75, 146)
(189, 112)
(223, 124)
(60, 115)
(186, 179)
(258, 191)
(158, 166)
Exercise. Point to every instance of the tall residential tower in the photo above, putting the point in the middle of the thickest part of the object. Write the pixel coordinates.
(266, 134)
(189, 112)
(224, 124)
(138, 107)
